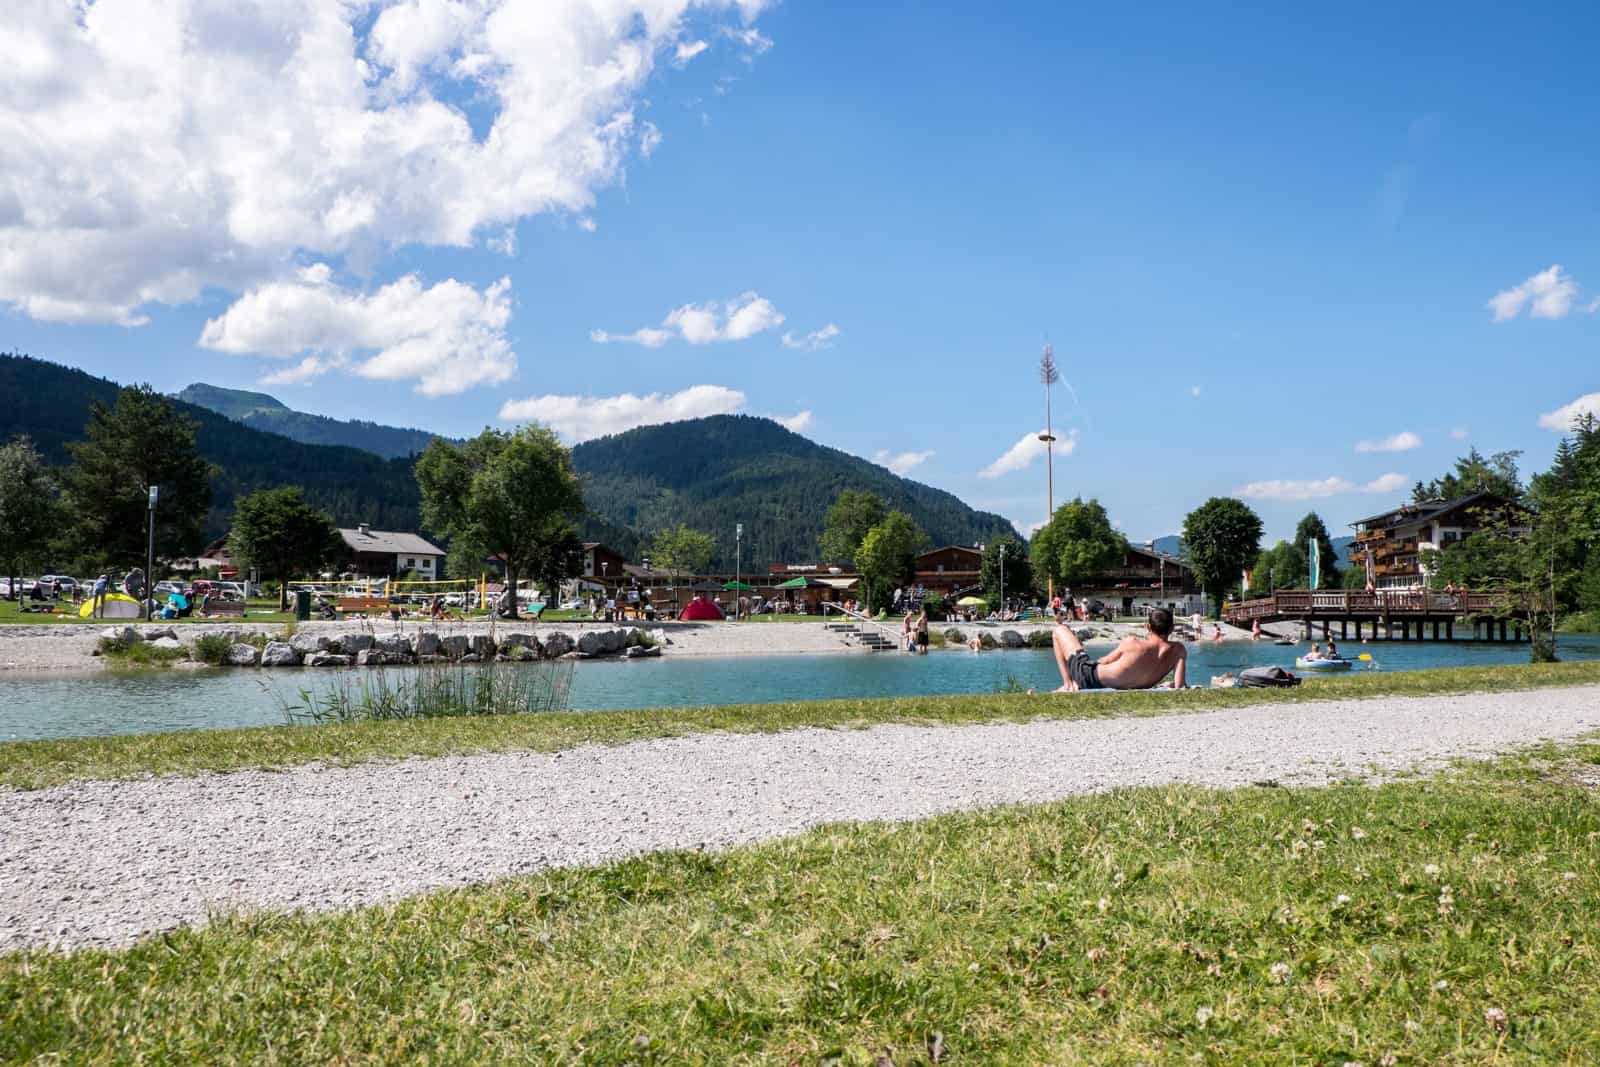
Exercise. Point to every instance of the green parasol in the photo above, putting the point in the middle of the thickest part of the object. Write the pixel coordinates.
(737, 585)
(795, 583)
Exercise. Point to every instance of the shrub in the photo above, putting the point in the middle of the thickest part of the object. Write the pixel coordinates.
(212, 649)
(438, 690)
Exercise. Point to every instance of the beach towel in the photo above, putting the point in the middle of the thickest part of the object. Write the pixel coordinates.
(1266, 677)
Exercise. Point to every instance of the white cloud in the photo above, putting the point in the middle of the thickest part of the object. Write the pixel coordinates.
(814, 341)
(701, 324)
(1560, 420)
(579, 418)
(687, 50)
(799, 422)
(1547, 295)
(1027, 449)
(1458, 434)
(587, 225)
(1289, 489)
(152, 150)
(1194, 390)
(902, 463)
(1404, 441)
(447, 337)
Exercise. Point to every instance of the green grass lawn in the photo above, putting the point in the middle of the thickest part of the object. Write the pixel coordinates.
(34, 764)
(1444, 920)
(259, 611)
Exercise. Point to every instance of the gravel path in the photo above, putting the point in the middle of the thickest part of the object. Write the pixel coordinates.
(104, 862)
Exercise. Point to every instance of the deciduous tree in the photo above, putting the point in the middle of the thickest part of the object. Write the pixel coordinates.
(276, 531)
(1018, 568)
(1311, 529)
(510, 495)
(888, 557)
(853, 514)
(1223, 536)
(681, 549)
(1077, 543)
(29, 509)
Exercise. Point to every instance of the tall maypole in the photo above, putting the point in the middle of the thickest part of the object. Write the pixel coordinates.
(1049, 377)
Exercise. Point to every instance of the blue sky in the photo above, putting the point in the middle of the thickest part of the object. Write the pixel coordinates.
(1255, 241)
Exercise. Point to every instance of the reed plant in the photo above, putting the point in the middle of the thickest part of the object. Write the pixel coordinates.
(434, 691)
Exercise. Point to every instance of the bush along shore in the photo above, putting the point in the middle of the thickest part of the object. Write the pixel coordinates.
(364, 648)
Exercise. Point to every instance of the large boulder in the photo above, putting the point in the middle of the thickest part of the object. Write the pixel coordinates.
(371, 657)
(306, 644)
(641, 652)
(955, 636)
(1039, 639)
(591, 643)
(279, 654)
(614, 641)
(154, 633)
(122, 635)
(166, 642)
(986, 640)
(396, 647)
(521, 654)
(558, 643)
(484, 646)
(428, 644)
(511, 642)
(1012, 639)
(243, 655)
(327, 659)
(350, 644)
(456, 645)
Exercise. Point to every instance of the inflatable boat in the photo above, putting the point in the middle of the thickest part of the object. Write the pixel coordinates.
(1303, 664)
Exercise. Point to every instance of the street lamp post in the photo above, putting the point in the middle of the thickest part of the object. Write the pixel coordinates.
(150, 553)
(1002, 578)
(1048, 376)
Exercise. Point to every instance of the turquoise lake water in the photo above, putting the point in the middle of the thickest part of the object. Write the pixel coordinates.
(45, 707)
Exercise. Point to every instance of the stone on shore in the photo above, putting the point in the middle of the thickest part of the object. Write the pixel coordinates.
(327, 659)
(955, 636)
(484, 646)
(641, 652)
(396, 647)
(351, 644)
(427, 643)
(243, 655)
(279, 654)
(456, 646)
(122, 635)
(1012, 639)
(371, 657)
(166, 642)
(306, 644)
(558, 644)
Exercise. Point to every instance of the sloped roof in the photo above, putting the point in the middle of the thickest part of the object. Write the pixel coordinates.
(1426, 511)
(389, 541)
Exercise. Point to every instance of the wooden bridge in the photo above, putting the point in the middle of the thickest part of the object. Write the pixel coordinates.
(1386, 613)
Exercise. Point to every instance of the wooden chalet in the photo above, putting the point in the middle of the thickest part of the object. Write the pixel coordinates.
(1390, 546)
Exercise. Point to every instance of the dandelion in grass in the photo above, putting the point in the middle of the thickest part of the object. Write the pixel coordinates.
(1357, 834)
(1203, 1014)
(1103, 905)
(1388, 1059)
(1447, 901)
(1496, 1018)
(1341, 900)
(1431, 870)
(1441, 986)
(1280, 972)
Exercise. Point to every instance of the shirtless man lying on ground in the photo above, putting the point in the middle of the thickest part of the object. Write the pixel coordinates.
(1137, 663)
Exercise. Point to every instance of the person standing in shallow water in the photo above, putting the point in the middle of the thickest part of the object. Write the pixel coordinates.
(922, 630)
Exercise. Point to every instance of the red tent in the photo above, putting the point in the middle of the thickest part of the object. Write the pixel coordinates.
(701, 610)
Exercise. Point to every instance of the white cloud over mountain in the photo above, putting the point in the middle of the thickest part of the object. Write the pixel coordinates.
(1027, 449)
(447, 337)
(1289, 489)
(580, 418)
(151, 151)
(901, 463)
(701, 324)
(799, 422)
(1550, 294)
(1404, 441)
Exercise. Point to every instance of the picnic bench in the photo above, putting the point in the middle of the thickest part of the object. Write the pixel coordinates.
(215, 605)
(363, 604)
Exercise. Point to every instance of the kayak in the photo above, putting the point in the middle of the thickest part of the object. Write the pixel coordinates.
(1304, 664)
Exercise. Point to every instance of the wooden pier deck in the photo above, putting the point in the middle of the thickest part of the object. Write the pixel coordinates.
(1403, 616)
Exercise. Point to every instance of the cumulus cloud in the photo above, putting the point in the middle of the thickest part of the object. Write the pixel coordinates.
(1289, 489)
(1560, 420)
(151, 151)
(1549, 294)
(580, 418)
(446, 337)
(902, 463)
(1194, 390)
(1027, 449)
(799, 422)
(701, 324)
(1404, 441)
(1458, 434)
(814, 341)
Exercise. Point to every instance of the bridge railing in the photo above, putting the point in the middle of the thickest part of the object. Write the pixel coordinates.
(1297, 603)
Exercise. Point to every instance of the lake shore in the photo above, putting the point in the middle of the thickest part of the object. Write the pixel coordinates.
(55, 649)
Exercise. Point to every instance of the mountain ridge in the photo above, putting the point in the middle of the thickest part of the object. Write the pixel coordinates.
(263, 411)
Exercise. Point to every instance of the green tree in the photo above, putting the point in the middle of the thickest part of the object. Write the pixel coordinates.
(140, 441)
(1077, 544)
(276, 531)
(888, 557)
(853, 514)
(29, 509)
(1223, 536)
(508, 495)
(1283, 566)
(1018, 568)
(1353, 578)
(1475, 473)
(1311, 529)
(681, 549)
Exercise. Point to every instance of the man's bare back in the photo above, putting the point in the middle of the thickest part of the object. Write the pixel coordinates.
(1136, 663)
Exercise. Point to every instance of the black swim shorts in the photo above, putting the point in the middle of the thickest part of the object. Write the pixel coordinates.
(1084, 672)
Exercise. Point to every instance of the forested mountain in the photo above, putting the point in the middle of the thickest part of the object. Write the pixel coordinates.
(50, 403)
(709, 473)
(714, 472)
(268, 413)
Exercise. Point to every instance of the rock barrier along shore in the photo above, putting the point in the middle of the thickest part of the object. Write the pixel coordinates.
(367, 649)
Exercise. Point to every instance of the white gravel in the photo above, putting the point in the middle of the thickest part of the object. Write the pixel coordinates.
(105, 862)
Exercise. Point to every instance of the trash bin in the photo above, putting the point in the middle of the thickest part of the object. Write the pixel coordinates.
(302, 605)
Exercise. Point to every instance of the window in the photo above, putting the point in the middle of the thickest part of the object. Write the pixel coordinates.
(427, 563)
(411, 563)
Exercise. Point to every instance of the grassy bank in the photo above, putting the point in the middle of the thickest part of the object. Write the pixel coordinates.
(1450, 920)
(33, 764)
